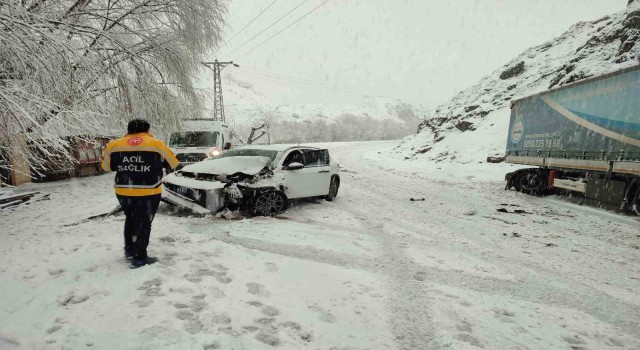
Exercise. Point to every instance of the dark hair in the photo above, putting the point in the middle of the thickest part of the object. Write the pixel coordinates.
(137, 126)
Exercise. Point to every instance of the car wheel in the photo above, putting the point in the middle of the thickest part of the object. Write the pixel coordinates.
(333, 189)
(270, 203)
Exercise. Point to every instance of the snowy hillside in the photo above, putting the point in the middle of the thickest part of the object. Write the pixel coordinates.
(246, 103)
(477, 118)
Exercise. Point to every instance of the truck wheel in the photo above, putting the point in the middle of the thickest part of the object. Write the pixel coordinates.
(635, 205)
(513, 181)
(270, 203)
(534, 183)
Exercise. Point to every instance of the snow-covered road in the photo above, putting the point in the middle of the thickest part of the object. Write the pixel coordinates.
(372, 270)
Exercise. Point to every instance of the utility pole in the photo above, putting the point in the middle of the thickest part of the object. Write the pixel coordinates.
(218, 102)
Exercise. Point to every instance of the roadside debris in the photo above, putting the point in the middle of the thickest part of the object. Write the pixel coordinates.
(513, 234)
(518, 235)
(229, 215)
(495, 160)
(417, 199)
(113, 211)
(515, 211)
(499, 219)
(10, 200)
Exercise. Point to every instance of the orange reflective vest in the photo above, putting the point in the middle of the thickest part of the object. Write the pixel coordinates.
(138, 160)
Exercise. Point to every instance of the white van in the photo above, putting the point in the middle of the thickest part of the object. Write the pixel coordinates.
(199, 139)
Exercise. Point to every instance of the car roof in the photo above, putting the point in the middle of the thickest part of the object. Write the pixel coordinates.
(279, 148)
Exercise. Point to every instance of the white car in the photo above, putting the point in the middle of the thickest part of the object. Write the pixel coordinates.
(259, 180)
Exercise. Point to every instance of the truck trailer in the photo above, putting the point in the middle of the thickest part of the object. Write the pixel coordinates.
(583, 137)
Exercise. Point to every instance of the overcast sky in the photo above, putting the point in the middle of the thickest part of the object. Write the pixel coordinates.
(420, 51)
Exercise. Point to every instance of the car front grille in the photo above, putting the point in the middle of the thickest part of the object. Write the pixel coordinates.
(191, 157)
(192, 194)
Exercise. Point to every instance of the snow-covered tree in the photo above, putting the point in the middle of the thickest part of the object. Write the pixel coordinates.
(88, 66)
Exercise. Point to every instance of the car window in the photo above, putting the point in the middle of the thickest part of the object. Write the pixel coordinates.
(296, 156)
(194, 139)
(248, 152)
(316, 158)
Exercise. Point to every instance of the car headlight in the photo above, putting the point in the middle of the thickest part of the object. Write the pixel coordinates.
(214, 153)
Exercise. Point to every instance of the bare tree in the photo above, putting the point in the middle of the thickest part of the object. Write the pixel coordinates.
(270, 115)
(253, 137)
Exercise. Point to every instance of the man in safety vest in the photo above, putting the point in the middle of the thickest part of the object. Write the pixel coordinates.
(138, 159)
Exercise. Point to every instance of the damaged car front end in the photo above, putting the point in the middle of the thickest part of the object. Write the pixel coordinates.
(244, 183)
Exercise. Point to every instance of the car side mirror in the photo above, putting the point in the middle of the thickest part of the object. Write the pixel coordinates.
(294, 166)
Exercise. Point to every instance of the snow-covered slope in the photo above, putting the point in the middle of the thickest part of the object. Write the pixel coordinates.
(246, 104)
(474, 123)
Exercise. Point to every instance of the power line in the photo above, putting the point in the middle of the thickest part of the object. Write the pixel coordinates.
(267, 28)
(280, 79)
(282, 30)
(248, 24)
(285, 81)
(307, 84)
(295, 80)
(303, 81)
(278, 75)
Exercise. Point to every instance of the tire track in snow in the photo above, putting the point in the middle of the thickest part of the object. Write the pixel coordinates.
(409, 298)
(545, 285)
(308, 253)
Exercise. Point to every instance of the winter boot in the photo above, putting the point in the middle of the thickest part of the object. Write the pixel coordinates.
(135, 263)
(128, 254)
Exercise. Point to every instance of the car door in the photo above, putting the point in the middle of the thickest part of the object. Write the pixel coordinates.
(299, 181)
(317, 164)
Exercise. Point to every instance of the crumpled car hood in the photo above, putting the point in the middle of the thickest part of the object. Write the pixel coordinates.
(229, 166)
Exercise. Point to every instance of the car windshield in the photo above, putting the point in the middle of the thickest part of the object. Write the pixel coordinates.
(249, 152)
(194, 139)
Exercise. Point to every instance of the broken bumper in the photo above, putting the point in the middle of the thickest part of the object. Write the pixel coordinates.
(206, 202)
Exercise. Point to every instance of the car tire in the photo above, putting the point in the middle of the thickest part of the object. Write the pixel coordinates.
(334, 186)
(269, 203)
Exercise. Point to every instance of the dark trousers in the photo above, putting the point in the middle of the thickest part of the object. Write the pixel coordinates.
(139, 212)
